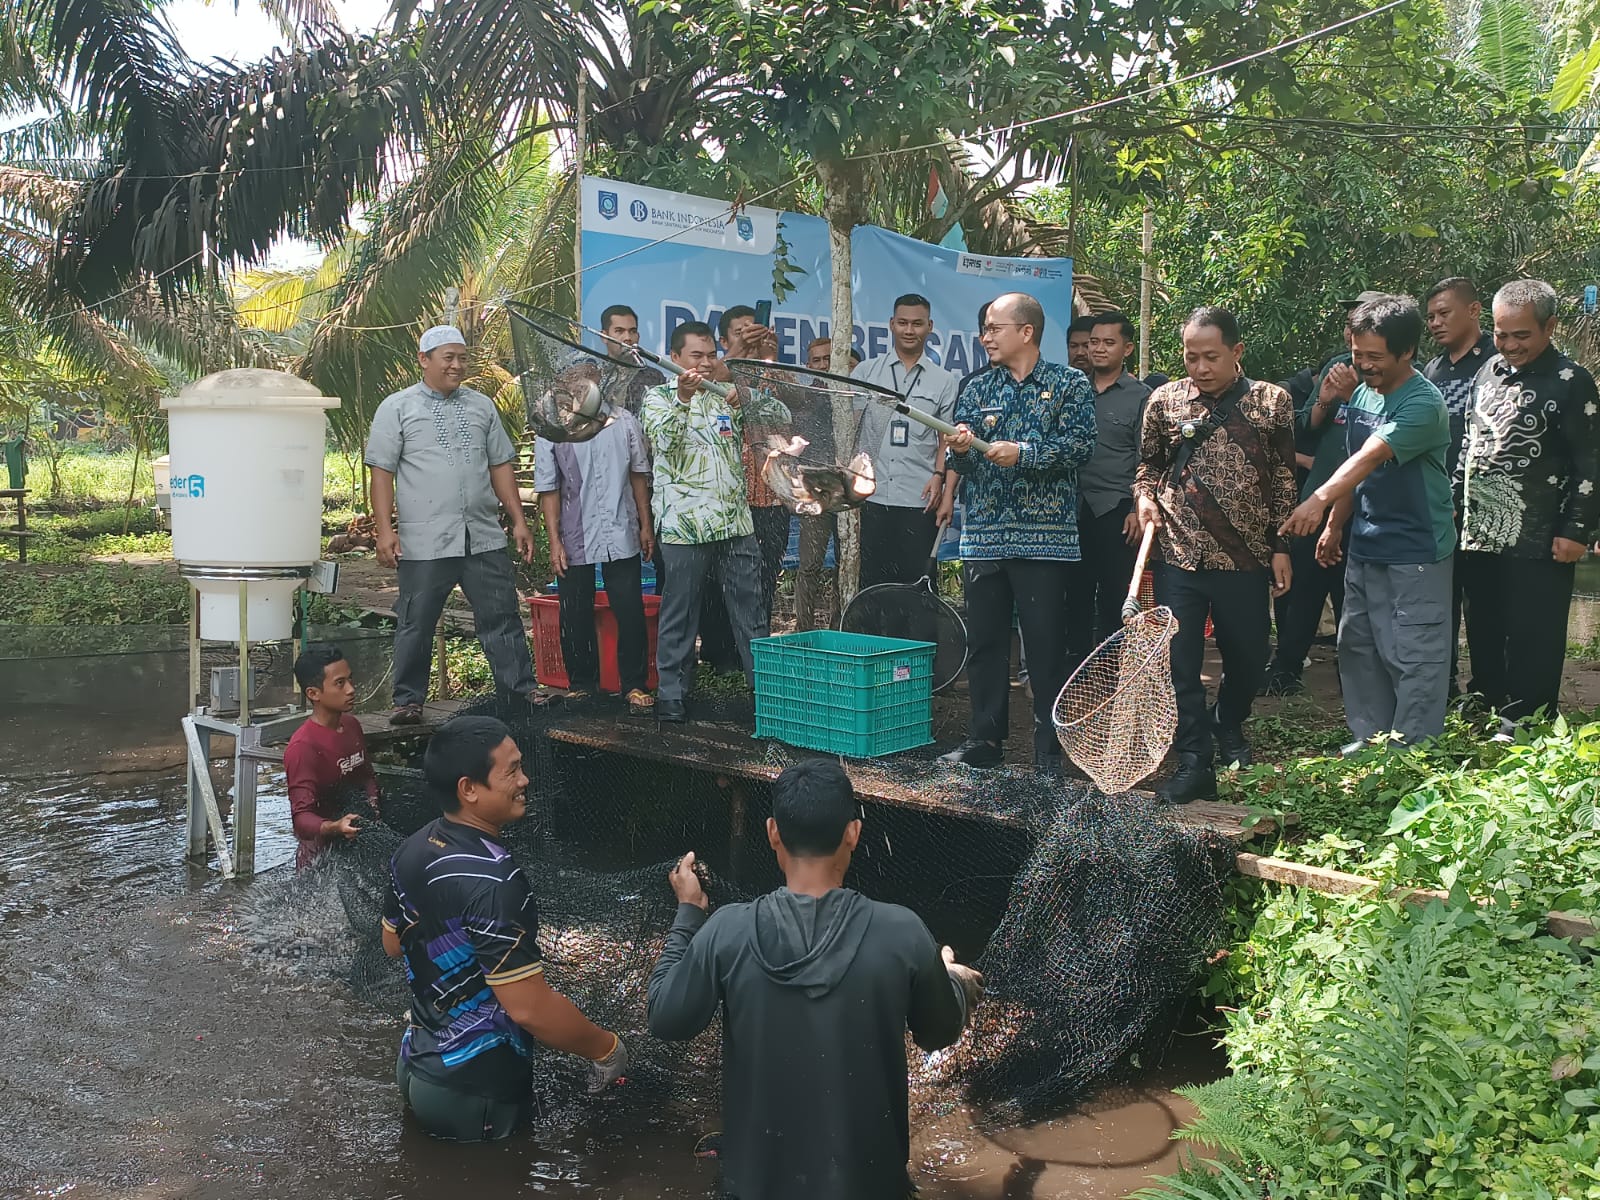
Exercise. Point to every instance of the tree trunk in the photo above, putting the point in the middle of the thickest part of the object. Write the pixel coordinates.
(840, 207)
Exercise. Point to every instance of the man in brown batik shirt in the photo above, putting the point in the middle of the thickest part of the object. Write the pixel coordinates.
(1216, 477)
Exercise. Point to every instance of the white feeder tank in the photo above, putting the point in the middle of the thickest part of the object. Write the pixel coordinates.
(246, 483)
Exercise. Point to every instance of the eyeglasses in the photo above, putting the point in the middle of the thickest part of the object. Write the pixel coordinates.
(993, 328)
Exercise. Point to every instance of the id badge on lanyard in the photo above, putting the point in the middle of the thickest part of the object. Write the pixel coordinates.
(899, 432)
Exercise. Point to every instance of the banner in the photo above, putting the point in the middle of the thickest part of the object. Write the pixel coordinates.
(714, 260)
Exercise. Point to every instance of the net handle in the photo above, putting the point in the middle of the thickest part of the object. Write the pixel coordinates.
(1130, 606)
(638, 354)
(722, 390)
(933, 554)
(934, 423)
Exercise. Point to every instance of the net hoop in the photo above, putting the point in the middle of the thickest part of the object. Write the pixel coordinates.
(1161, 615)
(542, 319)
(924, 587)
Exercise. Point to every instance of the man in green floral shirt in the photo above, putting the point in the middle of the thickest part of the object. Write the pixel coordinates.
(703, 519)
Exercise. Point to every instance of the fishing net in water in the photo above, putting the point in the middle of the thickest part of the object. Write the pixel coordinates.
(572, 378)
(1089, 917)
(1117, 713)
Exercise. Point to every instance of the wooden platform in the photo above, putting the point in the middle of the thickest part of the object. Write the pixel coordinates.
(943, 791)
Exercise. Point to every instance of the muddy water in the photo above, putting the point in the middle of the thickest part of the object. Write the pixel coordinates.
(155, 1047)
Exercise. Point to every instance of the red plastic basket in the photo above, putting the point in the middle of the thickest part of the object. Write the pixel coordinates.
(551, 668)
(1147, 596)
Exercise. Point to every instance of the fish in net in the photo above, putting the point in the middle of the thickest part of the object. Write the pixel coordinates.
(792, 417)
(1116, 716)
(915, 611)
(1090, 918)
(573, 378)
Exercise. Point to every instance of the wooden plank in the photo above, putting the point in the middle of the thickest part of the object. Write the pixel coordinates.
(1342, 883)
(1234, 820)
(942, 791)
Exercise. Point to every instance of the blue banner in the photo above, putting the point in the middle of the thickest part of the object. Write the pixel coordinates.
(715, 260)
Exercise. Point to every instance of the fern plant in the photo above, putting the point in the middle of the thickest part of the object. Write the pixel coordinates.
(1364, 1100)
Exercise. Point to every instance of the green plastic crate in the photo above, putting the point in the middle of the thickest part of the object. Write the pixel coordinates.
(845, 693)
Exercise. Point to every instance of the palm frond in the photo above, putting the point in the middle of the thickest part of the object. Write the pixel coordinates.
(420, 243)
(1505, 47)
(36, 195)
(235, 158)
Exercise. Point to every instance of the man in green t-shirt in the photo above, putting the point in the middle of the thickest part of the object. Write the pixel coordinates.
(1394, 637)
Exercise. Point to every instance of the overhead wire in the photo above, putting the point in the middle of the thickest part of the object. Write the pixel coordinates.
(993, 132)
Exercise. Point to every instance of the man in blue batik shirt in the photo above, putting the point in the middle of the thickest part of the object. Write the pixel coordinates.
(1021, 529)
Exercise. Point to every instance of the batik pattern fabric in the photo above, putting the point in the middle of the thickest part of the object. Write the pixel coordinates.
(1532, 461)
(1030, 510)
(1223, 510)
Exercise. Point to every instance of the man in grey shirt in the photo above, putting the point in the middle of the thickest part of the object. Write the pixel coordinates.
(440, 450)
(1108, 529)
(595, 499)
(898, 522)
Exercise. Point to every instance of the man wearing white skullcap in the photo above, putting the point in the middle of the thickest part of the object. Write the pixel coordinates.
(439, 450)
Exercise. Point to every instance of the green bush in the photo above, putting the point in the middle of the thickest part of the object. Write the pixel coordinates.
(1390, 1051)
(98, 594)
(1384, 1050)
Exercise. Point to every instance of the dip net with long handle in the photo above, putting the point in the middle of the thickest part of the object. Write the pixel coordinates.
(573, 379)
(790, 421)
(1117, 714)
(915, 611)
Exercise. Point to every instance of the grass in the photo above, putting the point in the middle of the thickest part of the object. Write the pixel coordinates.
(99, 594)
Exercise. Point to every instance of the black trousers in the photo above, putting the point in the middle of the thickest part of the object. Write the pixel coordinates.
(1516, 629)
(895, 543)
(1241, 615)
(625, 594)
(718, 646)
(1036, 589)
(1313, 585)
(772, 536)
(1099, 582)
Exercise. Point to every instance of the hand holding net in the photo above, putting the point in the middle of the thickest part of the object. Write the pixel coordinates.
(1116, 716)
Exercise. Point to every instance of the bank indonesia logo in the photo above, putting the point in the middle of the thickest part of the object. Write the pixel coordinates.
(745, 228)
(608, 205)
(639, 211)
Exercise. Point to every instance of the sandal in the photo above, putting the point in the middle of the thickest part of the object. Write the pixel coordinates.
(406, 714)
(641, 701)
(540, 698)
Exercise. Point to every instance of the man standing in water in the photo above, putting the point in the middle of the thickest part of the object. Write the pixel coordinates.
(460, 911)
(817, 985)
(327, 756)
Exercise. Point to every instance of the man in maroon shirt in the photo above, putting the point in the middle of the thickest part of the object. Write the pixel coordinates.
(327, 756)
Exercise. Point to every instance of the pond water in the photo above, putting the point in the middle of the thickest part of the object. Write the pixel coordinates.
(169, 1035)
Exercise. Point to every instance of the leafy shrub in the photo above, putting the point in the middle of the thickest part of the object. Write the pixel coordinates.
(1391, 1051)
(96, 594)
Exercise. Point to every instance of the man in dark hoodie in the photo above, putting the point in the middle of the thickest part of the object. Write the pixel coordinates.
(818, 985)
